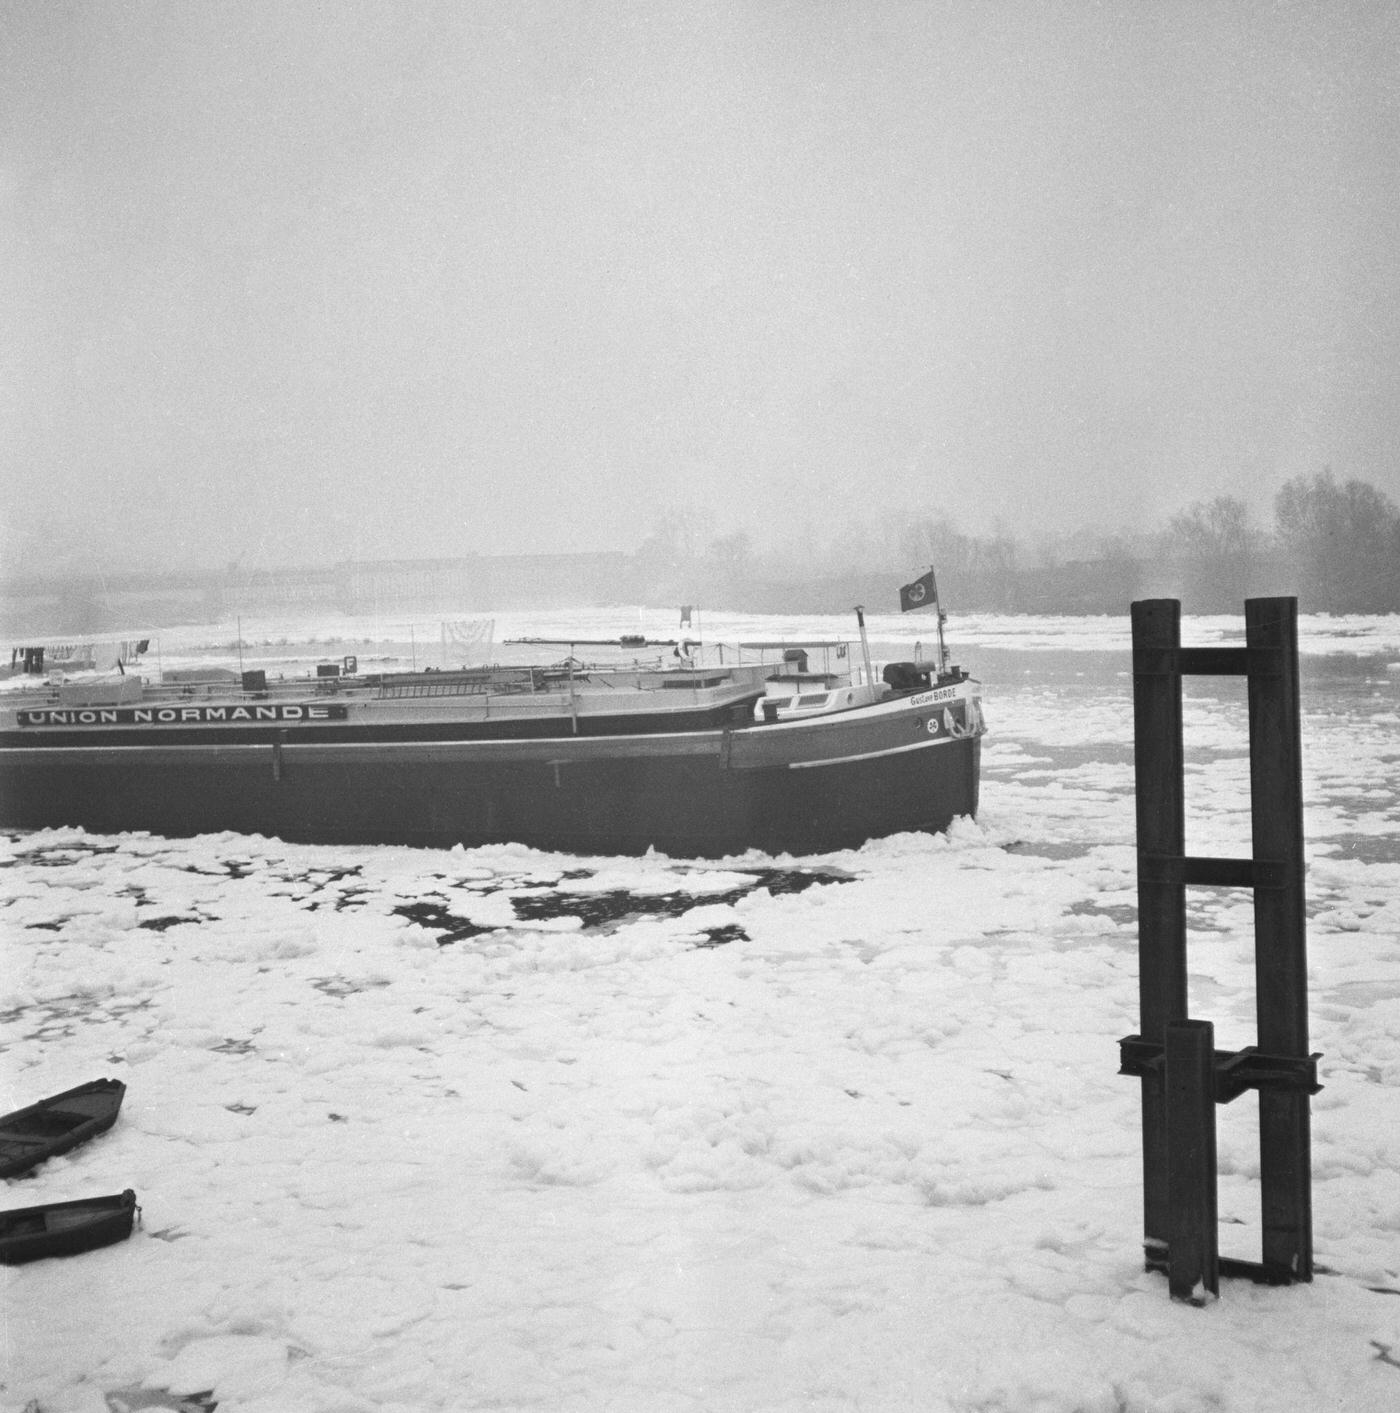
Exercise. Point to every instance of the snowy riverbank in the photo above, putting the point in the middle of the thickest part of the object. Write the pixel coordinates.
(420, 1130)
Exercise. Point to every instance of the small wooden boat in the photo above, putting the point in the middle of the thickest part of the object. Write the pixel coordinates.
(65, 1228)
(56, 1124)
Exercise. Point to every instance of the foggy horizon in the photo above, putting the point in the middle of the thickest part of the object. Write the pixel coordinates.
(429, 280)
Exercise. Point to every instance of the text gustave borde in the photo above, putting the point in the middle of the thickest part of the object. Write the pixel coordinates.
(944, 694)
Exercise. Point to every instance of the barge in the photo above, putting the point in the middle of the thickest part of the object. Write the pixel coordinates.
(692, 757)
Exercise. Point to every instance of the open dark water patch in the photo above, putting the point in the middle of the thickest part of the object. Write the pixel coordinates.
(62, 1017)
(596, 910)
(233, 1045)
(159, 1400)
(606, 908)
(343, 887)
(621, 904)
(59, 856)
(229, 868)
(324, 877)
(1054, 758)
(451, 926)
(721, 936)
(1047, 849)
(1124, 914)
(341, 986)
(345, 898)
(1362, 848)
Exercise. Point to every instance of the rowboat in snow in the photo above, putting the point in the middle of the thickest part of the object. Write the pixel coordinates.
(65, 1228)
(57, 1124)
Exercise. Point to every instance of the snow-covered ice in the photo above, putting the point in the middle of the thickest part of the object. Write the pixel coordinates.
(422, 1130)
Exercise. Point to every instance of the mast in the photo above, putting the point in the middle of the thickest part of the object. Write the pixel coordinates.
(864, 646)
(942, 619)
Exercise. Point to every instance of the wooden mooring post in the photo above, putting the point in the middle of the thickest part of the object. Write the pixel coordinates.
(1183, 1076)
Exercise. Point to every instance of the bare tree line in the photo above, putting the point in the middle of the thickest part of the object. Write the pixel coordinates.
(1335, 545)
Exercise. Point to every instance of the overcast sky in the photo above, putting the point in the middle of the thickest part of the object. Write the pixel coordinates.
(291, 280)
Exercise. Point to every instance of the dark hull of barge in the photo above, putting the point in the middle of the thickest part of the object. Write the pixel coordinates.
(800, 788)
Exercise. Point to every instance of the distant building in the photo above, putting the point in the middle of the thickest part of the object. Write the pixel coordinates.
(276, 591)
(472, 583)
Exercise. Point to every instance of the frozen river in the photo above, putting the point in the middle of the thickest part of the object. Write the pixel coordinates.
(418, 1130)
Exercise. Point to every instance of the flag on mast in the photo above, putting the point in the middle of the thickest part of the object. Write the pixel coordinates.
(922, 593)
